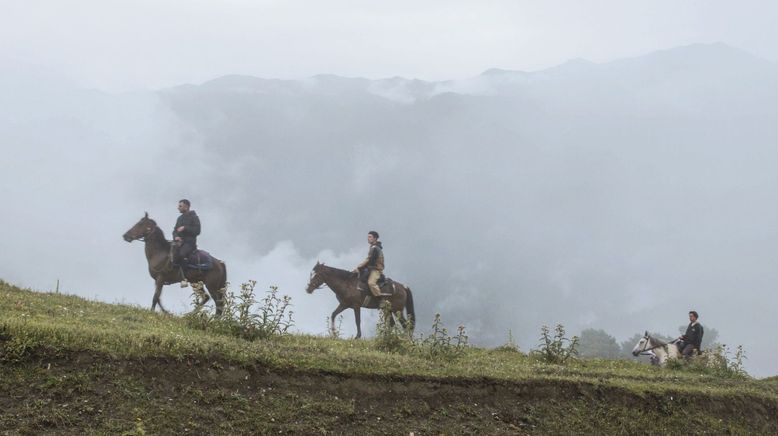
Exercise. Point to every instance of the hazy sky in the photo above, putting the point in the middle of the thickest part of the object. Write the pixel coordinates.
(121, 45)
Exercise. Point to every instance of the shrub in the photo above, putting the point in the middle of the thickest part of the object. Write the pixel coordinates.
(16, 349)
(244, 316)
(718, 361)
(438, 345)
(557, 348)
(391, 336)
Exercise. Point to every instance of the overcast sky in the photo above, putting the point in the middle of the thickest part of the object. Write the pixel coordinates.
(124, 45)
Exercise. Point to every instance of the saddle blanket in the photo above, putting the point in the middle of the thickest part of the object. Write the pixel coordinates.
(200, 260)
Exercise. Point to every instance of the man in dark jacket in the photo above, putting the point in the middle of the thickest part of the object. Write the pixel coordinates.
(692, 339)
(185, 233)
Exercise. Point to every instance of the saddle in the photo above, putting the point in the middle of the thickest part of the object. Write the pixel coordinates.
(385, 284)
(200, 260)
(365, 272)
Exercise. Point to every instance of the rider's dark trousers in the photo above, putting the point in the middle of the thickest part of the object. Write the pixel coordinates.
(184, 250)
(688, 350)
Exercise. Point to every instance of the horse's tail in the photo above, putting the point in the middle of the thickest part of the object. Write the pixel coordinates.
(223, 280)
(409, 308)
(221, 289)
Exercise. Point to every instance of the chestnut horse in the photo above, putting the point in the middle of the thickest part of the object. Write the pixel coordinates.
(163, 272)
(344, 284)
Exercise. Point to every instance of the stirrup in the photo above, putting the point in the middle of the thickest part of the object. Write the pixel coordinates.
(184, 283)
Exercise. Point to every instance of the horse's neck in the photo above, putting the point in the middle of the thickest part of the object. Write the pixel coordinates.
(665, 351)
(660, 351)
(156, 244)
(336, 280)
(672, 351)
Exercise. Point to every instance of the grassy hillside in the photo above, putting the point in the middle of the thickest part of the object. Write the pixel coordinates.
(69, 365)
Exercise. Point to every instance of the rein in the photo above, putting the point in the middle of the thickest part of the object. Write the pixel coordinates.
(168, 265)
(323, 281)
(149, 233)
(649, 338)
(145, 235)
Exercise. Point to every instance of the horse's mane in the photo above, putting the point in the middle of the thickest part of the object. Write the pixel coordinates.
(656, 341)
(339, 273)
(659, 342)
(159, 235)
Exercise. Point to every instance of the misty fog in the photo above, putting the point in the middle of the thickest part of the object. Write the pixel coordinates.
(615, 196)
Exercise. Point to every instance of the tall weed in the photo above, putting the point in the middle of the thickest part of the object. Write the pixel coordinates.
(439, 345)
(556, 348)
(510, 344)
(391, 336)
(244, 316)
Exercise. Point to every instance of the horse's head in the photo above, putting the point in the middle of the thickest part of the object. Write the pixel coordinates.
(141, 229)
(317, 279)
(643, 344)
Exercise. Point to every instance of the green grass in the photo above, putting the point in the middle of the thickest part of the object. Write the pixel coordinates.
(64, 324)
(56, 349)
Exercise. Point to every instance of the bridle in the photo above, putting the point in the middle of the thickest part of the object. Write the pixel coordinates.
(648, 340)
(315, 274)
(146, 234)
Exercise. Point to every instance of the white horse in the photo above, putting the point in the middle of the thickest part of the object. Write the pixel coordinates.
(661, 351)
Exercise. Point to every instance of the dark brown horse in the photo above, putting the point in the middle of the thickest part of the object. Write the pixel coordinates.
(163, 272)
(344, 284)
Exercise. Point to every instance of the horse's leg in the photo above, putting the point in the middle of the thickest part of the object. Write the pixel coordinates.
(217, 286)
(661, 356)
(202, 296)
(335, 313)
(157, 294)
(356, 319)
(214, 280)
(393, 311)
(403, 321)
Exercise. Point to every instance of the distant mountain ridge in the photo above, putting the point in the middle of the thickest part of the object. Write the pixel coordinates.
(691, 59)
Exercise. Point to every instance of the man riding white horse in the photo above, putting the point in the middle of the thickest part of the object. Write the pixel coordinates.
(661, 351)
(692, 339)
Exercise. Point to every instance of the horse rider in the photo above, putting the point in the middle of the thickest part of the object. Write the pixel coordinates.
(692, 339)
(374, 262)
(185, 233)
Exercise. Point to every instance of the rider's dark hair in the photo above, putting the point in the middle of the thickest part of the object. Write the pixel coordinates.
(374, 233)
(692, 312)
(185, 201)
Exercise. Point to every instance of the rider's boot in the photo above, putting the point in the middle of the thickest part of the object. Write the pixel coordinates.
(184, 283)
